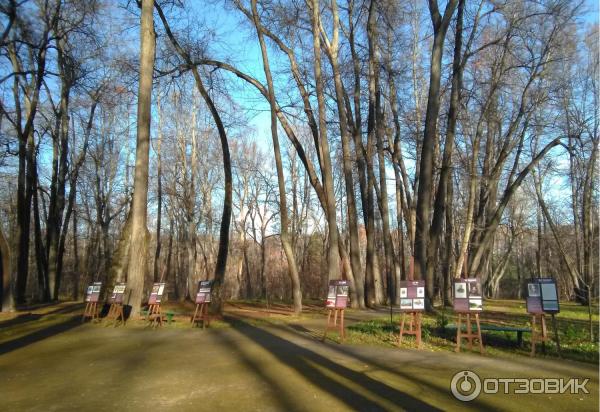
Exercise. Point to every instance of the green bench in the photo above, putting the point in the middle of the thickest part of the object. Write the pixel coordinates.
(498, 328)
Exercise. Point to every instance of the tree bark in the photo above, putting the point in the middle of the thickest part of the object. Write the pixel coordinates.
(439, 212)
(425, 187)
(333, 257)
(159, 194)
(6, 295)
(332, 49)
(138, 257)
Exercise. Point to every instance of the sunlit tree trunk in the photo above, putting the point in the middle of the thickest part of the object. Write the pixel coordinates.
(139, 237)
(333, 257)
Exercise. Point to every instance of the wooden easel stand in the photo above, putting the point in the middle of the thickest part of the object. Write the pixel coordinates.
(334, 324)
(115, 312)
(201, 315)
(470, 335)
(91, 311)
(414, 327)
(154, 315)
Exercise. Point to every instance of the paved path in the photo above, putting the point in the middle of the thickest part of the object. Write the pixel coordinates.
(251, 366)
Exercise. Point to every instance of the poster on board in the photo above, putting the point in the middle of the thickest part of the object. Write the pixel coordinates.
(412, 295)
(204, 291)
(93, 292)
(542, 296)
(337, 294)
(468, 296)
(118, 293)
(156, 293)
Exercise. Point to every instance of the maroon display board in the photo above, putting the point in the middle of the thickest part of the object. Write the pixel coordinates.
(542, 296)
(412, 295)
(467, 295)
(204, 291)
(157, 293)
(337, 296)
(118, 293)
(93, 292)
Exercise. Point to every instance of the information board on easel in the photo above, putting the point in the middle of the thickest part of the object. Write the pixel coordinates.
(336, 303)
(468, 303)
(154, 314)
(203, 297)
(115, 312)
(412, 304)
(92, 297)
(542, 299)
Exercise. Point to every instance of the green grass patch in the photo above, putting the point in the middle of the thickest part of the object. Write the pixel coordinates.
(574, 337)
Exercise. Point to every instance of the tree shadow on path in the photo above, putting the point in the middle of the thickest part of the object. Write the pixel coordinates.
(29, 316)
(38, 335)
(304, 361)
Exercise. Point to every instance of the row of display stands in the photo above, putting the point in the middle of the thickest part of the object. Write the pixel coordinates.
(153, 314)
(542, 300)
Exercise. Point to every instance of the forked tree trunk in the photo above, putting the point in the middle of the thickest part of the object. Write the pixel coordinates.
(333, 257)
(426, 165)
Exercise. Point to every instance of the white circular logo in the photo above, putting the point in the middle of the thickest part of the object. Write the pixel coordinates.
(465, 386)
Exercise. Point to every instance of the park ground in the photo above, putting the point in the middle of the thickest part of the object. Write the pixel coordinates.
(263, 359)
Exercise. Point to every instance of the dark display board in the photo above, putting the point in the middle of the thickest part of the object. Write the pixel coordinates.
(204, 291)
(156, 294)
(337, 296)
(542, 296)
(412, 295)
(467, 295)
(93, 292)
(118, 293)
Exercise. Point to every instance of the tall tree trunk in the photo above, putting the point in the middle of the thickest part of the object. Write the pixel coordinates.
(449, 245)
(439, 212)
(388, 246)
(59, 181)
(76, 266)
(43, 291)
(283, 212)
(6, 290)
(24, 192)
(333, 53)
(23, 225)
(333, 257)
(139, 239)
(430, 137)
(360, 154)
(374, 284)
(159, 194)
